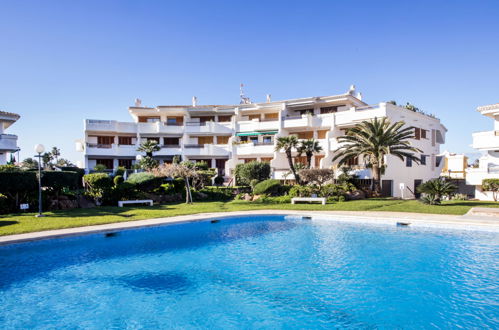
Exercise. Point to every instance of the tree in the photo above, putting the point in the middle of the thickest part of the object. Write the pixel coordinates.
(245, 173)
(56, 153)
(373, 140)
(64, 162)
(309, 148)
(288, 143)
(47, 159)
(436, 189)
(183, 170)
(318, 176)
(29, 164)
(149, 147)
(491, 185)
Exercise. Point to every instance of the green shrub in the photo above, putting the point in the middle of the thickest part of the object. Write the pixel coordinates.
(430, 200)
(214, 194)
(302, 191)
(98, 184)
(268, 187)
(4, 204)
(56, 181)
(121, 192)
(459, 197)
(436, 188)
(491, 185)
(100, 168)
(117, 180)
(120, 171)
(341, 198)
(219, 180)
(145, 181)
(202, 166)
(254, 170)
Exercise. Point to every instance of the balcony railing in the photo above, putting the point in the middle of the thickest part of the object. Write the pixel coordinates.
(8, 142)
(99, 145)
(193, 146)
(170, 146)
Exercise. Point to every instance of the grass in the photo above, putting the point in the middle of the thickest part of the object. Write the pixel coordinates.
(27, 222)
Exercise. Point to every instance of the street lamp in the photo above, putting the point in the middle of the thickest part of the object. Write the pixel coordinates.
(138, 158)
(39, 149)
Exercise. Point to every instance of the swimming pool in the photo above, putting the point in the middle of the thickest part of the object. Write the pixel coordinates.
(254, 272)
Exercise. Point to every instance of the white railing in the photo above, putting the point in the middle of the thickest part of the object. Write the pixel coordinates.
(485, 140)
(256, 125)
(254, 148)
(110, 126)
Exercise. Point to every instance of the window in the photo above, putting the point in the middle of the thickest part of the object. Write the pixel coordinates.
(301, 160)
(247, 160)
(222, 139)
(205, 140)
(125, 140)
(266, 159)
(224, 119)
(305, 135)
(306, 112)
(108, 163)
(321, 134)
(267, 139)
(271, 116)
(254, 138)
(353, 161)
(251, 117)
(174, 121)
(144, 119)
(105, 139)
(171, 141)
(318, 161)
(424, 133)
(417, 133)
(423, 159)
(126, 163)
(243, 138)
(408, 162)
(329, 109)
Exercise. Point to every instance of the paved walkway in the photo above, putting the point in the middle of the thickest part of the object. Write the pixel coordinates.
(415, 220)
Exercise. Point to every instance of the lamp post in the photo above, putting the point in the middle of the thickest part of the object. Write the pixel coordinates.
(39, 149)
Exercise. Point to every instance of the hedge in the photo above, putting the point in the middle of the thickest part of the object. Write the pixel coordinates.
(268, 187)
(56, 181)
(254, 170)
(144, 181)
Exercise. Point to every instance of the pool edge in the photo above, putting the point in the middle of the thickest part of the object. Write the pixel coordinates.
(416, 219)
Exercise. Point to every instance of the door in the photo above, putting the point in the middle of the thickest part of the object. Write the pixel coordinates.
(387, 188)
(416, 184)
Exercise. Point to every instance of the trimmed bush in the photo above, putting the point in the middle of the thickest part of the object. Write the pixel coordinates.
(302, 191)
(80, 171)
(117, 180)
(145, 181)
(268, 187)
(56, 181)
(219, 180)
(254, 170)
(98, 184)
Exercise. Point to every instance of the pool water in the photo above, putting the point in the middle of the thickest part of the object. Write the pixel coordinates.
(254, 272)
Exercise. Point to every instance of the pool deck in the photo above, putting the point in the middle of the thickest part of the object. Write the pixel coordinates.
(469, 222)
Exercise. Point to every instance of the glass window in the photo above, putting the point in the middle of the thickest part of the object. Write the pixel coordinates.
(423, 159)
(408, 162)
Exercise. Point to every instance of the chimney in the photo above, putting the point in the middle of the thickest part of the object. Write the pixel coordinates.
(194, 101)
(268, 98)
(138, 102)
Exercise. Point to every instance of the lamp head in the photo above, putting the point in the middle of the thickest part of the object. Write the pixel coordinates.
(39, 148)
(139, 158)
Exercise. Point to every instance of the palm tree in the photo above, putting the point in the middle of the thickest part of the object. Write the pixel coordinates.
(436, 189)
(149, 147)
(56, 152)
(309, 147)
(288, 143)
(373, 140)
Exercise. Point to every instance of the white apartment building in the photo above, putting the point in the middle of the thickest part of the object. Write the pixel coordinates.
(488, 143)
(226, 135)
(8, 142)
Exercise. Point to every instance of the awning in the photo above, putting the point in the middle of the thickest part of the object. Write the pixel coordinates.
(256, 133)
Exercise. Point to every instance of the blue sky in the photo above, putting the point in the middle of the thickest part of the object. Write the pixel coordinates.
(64, 61)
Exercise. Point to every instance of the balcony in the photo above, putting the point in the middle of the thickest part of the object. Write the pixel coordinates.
(486, 140)
(110, 126)
(206, 150)
(8, 142)
(256, 125)
(169, 149)
(208, 127)
(246, 149)
(94, 149)
(359, 114)
(298, 121)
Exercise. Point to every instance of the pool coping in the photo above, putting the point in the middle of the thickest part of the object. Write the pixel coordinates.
(373, 217)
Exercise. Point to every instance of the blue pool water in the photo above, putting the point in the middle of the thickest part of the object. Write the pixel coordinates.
(264, 272)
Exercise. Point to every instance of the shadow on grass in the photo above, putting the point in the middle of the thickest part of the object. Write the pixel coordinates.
(103, 211)
(7, 223)
(472, 204)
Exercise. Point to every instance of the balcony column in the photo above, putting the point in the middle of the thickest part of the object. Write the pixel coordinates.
(213, 163)
(115, 163)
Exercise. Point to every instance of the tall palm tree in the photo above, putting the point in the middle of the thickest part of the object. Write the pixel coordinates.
(373, 140)
(288, 143)
(149, 147)
(56, 152)
(309, 148)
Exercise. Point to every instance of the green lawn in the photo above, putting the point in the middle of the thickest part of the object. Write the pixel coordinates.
(23, 223)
